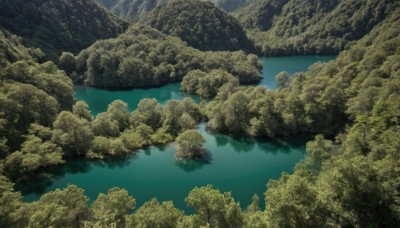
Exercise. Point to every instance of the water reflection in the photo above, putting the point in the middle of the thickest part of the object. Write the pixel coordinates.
(38, 183)
(193, 165)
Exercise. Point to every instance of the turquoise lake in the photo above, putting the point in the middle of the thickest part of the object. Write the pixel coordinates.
(240, 165)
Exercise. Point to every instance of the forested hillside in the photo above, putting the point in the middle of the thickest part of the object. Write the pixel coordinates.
(311, 27)
(356, 96)
(108, 3)
(350, 174)
(56, 26)
(30, 93)
(349, 182)
(201, 25)
(144, 57)
(134, 10)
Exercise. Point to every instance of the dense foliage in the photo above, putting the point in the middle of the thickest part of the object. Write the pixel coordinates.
(56, 26)
(207, 84)
(144, 57)
(350, 182)
(190, 145)
(282, 27)
(30, 92)
(201, 25)
(136, 10)
(229, 5)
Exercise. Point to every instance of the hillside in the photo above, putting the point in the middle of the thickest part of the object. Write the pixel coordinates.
(108, 3)
(229, 5)
(144, 57)
(355, 98)
(30, 92)
(352, 181)
(217, 31)
(135, 10)
(56, 26)
(291, 27)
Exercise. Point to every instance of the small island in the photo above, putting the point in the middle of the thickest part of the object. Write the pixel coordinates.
(190, 145)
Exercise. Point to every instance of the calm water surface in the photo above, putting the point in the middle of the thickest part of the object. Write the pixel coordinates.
(291, 64)
(99, 99)
(240, 165)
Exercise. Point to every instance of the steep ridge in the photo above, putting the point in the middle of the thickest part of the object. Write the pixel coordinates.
(135, 10)
(201, 25)
(311, 27)
(56, 26)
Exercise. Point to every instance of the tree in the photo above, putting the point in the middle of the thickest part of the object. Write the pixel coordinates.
(282, 78)
(103, 146)
(11, 206)
(35, 153)
(81, 109)
(105, 126)
(150, 113)
(236, 112)
(60, 208)
(173, 112)
(285, 207)
(67, 62)
(254, 206)
(319, 150)
(72, 133)
(145, 132)
(110, 210)
(153, 214)
(190, 145)
(213, 208)
(118, 110)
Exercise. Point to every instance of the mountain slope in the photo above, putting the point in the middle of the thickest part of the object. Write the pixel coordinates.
(135, 10)
(144, 57)
(201, 25)
(56, 26)
(311, 27)
(30, 92)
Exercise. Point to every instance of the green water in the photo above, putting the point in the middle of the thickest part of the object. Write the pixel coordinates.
(291, 64)
(99, 99)
(240, 165)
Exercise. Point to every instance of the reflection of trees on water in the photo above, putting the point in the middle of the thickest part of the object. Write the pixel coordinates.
(38, 183)
(284, 145)
(194, 164)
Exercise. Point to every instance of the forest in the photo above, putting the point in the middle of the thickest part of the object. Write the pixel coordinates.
(185, 19)
(55, 26)
(297, 27)
(135, 10)
(157, 60)
(350, 176)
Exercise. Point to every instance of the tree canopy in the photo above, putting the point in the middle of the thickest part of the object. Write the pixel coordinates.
(297, 27)
(201, 25)
(56, 26)
(144, 57)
